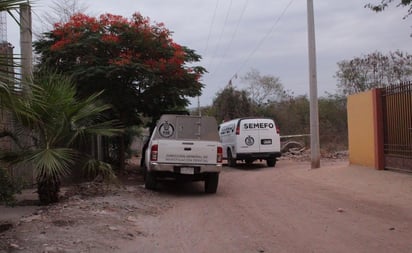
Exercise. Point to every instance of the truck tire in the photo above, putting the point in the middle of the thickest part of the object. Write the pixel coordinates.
(150, 181)
(249, 161)
(271, 162)
(144, 172)
(230, 160)
(211, 182)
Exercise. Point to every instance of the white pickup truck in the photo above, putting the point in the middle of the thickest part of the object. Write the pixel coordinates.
(184, 147)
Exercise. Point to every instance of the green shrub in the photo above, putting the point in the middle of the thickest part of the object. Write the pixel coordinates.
(8, 188)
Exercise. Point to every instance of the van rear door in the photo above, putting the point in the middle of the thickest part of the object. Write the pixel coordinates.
(268, 136)
(248, 141)
(258, 136)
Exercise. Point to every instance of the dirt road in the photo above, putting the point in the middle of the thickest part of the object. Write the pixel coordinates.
(290, 208)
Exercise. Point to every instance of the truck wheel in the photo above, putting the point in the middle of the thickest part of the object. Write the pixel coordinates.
(211, 182)
(271, 162)
(150, 181)
(144, 172)
(230, 160)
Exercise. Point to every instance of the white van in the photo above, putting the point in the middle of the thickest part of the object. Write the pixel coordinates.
(250, 139)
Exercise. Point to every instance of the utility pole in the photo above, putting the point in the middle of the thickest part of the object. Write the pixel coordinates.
(26, 43)
(314, 112)
(198, 106)
(3, 27)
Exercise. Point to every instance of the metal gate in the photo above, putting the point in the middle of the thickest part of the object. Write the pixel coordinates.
(397, 126)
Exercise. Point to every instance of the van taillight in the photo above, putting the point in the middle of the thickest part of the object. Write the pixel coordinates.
(153, 153)
(277, 130)
(219, 154)
(237, 130)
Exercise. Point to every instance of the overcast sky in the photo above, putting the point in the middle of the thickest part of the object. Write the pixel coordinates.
(234, 36)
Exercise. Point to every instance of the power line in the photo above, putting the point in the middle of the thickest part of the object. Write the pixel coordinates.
(223, 29)
(265, 36)
(211, 26)
(207, 46)
(233, 34)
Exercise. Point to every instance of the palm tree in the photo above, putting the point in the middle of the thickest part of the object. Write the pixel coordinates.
(57, 123)
(8, 5)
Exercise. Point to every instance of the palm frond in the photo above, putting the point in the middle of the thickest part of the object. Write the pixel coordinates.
(52, 163)
(106, 128)
(8, 80)
(95, 168)
(54, 120)
(6, 5)
(9, 5)
(9, 134)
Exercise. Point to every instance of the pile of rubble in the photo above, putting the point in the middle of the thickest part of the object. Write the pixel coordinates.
(297, 151)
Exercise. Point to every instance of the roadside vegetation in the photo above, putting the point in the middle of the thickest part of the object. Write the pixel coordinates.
(265, 96)
(95, 80)
(99, 80)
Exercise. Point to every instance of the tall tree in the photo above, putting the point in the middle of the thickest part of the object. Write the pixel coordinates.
(59, 11)
(136, 64)
(385, 4)
(372, 71)
(231, 103)
(263, 89)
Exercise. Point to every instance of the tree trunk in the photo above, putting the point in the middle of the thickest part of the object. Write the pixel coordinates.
(122, 148)
(122, 151)
(48, 191)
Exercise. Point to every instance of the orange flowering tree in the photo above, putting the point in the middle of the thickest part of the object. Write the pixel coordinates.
(136, 63)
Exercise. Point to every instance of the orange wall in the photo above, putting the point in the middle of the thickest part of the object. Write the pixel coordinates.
(361, 129)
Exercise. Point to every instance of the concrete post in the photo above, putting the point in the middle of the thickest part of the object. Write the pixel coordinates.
(26, 43)
(314, 114)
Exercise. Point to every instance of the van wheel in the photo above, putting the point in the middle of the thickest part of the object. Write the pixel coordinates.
(249, 161)
(150, 181)
(211, 182)
(271, 162)
(230, 160)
